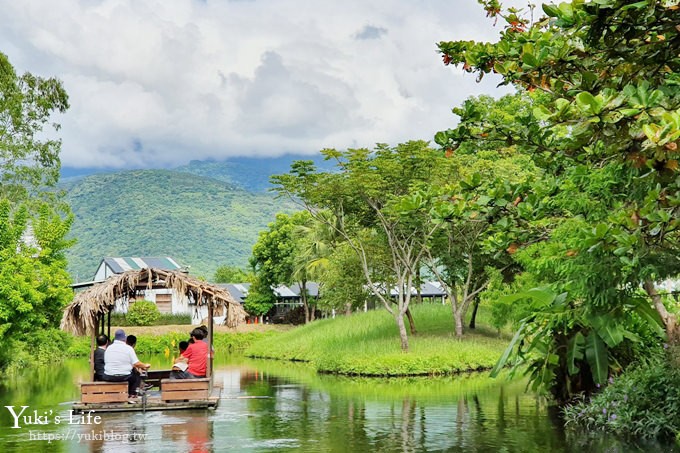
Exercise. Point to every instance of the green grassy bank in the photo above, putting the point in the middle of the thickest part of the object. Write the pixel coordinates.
(46, 346)
(367, 344)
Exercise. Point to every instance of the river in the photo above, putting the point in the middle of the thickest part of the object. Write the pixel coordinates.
(279, 406)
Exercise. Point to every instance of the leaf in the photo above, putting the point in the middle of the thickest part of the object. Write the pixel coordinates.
(597, 357)
(588, 103)
(610, 331)
(575, 350)
(504, 358)
(551, 10)
(651, 316)
(542, 113)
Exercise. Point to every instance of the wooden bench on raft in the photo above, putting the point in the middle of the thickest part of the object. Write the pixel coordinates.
(185, 389)
(103, 392)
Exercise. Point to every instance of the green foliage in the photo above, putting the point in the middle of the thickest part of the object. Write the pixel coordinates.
(601, 120)
(217, 223)
(142, 313)
(364, 344)
(274, 257)
(40, 347)
(30, 160)
(168, 343)
(231, 274)
(164, 319)
(570, 347)
(643, 402)
(33, 281)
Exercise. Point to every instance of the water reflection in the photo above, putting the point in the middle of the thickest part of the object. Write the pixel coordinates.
(273, 406)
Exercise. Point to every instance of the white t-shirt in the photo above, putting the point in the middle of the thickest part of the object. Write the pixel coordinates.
(119, 358)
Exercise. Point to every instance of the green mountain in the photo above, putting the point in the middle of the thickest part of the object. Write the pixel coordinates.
(251, 173)
(199, 221)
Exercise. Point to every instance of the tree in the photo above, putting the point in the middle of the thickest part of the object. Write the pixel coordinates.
(605, 126)
(231, 274)
(479, 207)
(274, 259)
(34, 284)
(29, 162)
(383, 191)
(33, 278)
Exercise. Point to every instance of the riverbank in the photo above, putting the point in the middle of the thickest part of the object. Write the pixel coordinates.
(367, 344)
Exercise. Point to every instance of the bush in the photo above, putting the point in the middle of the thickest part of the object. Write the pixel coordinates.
(143, 313)
(164, 319)
(643, 402)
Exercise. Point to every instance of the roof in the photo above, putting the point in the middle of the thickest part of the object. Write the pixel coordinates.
(312, 289)
(81, 315)
(126, 263)
(238, 290)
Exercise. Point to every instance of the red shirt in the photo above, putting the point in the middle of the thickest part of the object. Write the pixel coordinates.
(197, 353)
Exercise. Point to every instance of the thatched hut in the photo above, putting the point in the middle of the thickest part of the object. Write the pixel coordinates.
(89, 308)
(81, 316)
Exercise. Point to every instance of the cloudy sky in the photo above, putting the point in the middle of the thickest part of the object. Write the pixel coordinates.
(156, 83)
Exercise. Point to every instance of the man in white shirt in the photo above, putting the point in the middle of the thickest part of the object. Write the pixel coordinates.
(120, 360)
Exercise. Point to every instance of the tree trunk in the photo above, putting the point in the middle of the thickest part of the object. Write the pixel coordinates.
(670, 321)
(457, 319)
(473, 318)
(411, 322)
(402, 330)
(303, 296)
(348, 309)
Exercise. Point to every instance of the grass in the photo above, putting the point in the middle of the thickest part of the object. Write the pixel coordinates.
(165, 340)
(367, 344)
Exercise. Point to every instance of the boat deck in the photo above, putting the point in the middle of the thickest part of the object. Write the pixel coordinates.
(153, 403)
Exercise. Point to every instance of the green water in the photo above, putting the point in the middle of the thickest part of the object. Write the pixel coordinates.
(279, 406)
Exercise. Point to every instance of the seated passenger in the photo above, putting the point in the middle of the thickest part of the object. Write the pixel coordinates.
(120, 360)
(197, 356)
(102, 343)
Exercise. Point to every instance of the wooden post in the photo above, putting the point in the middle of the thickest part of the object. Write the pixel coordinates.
(210, 339)
(93, 345)
(108, 332)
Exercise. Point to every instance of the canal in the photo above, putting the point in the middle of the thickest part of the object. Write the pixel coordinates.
(280, 406)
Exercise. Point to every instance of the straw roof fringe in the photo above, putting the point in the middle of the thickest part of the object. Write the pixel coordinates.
(80, 316)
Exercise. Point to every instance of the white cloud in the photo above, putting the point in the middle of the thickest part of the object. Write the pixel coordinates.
(157, 83)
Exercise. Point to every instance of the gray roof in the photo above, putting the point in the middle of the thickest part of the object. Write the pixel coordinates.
(239, 291)
(312, 289)
(121, 264)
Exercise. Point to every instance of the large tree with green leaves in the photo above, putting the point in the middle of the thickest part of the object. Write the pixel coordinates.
(29, 159)
(275, 259)
(605, 127)
(378, 196)
(33, 221)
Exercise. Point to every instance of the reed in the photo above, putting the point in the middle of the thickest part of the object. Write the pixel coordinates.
(367, 344)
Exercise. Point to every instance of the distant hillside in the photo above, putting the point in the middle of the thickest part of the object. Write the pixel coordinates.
(250, 173)
(199, 221)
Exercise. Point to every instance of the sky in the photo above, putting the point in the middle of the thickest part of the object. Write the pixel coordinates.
(157, 83)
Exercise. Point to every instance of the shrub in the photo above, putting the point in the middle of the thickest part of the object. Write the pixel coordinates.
(643, 402)
(143, 313)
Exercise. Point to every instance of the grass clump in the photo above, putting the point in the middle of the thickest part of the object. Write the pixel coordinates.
(368, 344)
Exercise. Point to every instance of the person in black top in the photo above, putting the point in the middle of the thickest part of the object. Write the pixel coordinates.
(102, 343)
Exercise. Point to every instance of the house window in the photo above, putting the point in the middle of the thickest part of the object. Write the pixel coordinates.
(164, 303)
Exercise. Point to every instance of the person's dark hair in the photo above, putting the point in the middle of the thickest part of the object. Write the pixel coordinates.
(197, 333)
(102, 340)
(131, 340)
(204, 329)
(183, 345)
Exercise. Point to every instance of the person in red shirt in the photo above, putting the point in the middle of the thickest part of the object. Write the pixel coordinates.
(197, 355)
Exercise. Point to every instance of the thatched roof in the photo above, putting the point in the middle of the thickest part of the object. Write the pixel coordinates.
(80, 316)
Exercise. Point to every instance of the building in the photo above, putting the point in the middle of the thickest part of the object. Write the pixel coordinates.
(165, 299)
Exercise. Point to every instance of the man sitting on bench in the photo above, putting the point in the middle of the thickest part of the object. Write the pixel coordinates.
(120, 360)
